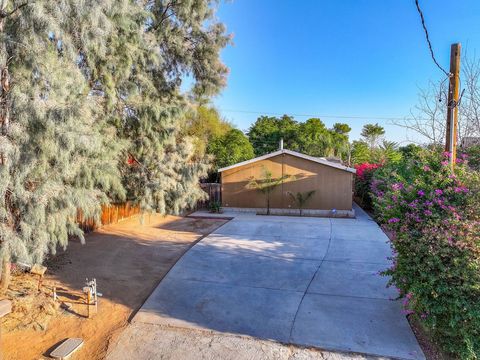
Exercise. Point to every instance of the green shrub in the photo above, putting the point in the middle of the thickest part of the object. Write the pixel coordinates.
(435, 221)
(215, 207)
(473, 153)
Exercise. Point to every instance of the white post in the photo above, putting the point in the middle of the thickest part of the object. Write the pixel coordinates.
(281, 144)
(452, 139)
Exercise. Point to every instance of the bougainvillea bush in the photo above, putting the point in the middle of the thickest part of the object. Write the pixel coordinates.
(363, 181)
(434, 219)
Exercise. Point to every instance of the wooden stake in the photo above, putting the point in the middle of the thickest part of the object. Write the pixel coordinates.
(452, 103)
(89, 296)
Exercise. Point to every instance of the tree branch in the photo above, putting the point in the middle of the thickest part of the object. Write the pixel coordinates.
(4, 14)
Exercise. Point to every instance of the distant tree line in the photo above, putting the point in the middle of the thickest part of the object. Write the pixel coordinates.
(311, 137)
(226, 145)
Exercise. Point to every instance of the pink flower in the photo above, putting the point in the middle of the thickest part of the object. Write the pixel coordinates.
(421, 192)
(397, 186)
(393, 220)
(365, 167)
(438, 192)
(426, 168)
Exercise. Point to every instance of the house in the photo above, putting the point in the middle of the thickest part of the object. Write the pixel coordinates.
(331, 181)
(470, 141)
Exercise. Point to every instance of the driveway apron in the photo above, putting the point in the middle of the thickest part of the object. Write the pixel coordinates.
(305, 281)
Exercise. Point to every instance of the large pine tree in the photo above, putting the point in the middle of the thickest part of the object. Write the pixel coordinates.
(57, 154)
(90, 110)
(138, 68)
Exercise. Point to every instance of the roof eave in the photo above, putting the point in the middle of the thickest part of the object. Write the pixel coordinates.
(293, 153)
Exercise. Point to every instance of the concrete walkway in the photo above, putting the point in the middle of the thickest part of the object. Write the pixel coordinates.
(303, 281)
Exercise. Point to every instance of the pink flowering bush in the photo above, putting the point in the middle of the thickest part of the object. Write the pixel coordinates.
(363, 180)
(474, 157)
(434, 218)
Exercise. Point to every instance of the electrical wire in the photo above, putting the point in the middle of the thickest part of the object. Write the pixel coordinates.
(321, 116)
(428, 40)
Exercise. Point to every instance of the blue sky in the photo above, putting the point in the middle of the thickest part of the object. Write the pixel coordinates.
(349, 57)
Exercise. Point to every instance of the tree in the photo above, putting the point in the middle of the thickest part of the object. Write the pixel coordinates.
(266, 132)
(361, 152)
(340, 141)
(57, 154)
(372, 134)
(138, 69)
(314, 138)
(387, 152)
(342, 129)
(301, 198)
(229, 149)
(266, 185)
(310, 137)
(429, 116)
(410, 151)
(205, 124)
(86, 86)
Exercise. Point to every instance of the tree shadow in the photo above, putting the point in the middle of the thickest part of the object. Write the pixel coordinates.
(128, 259)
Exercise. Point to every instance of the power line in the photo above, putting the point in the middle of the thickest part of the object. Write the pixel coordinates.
(323, 116)
(428, 40)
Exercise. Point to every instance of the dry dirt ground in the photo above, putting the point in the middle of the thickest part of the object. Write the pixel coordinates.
(160, 342)
(128, 260)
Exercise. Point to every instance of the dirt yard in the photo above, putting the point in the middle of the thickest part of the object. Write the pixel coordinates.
(127, 259)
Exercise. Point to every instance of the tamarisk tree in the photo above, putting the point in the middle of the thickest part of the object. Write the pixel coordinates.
(90, 111)
(57, 155)
(149, 48)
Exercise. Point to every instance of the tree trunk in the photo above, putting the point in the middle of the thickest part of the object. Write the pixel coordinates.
(5, 275)
(268, 204)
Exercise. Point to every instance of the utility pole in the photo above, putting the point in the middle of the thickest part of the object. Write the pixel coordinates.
(452, 103)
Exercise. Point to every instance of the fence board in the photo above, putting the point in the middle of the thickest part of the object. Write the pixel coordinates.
(214, 192)
(110, 214)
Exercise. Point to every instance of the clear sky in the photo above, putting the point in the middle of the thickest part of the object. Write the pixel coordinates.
(345, 57)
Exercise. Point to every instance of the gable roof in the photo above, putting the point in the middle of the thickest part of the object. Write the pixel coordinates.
(318, 160)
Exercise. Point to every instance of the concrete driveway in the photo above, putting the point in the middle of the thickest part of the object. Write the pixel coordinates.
(303, 281)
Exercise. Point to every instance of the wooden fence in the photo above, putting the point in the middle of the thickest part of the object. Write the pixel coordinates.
(115, 212)
(214, 191)
(111, 214)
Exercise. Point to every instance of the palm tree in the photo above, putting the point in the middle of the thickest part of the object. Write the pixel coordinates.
(266, 185)
(301, 198)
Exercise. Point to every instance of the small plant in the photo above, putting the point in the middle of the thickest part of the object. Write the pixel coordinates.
(215, 207)
(301, 199)
(266, 185)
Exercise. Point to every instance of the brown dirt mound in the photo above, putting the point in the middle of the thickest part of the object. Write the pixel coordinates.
(31, 309)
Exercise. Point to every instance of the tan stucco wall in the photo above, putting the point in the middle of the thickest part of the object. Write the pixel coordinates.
(333, 187)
